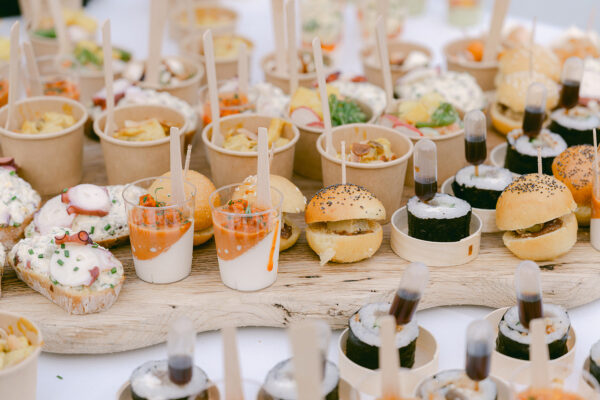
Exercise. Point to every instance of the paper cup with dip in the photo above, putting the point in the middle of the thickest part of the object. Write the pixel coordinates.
(131, 153)
(226, 49)
(381, 156)
(209, 15)
(161, 230)
(230, 101)
(483, 72)
(237, 161)
(247, 238)
(18, 379)
(307, 75)
(404, 56)
(59, 76)
(50, 160)
(178, 76)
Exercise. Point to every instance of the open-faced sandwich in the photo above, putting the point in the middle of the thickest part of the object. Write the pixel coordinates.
(18, 203)
(97, 210)
(70, 269)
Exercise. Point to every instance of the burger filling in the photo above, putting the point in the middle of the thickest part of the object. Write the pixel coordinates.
(539, 229)
(286, 230)
(512, 114)
(349, 227)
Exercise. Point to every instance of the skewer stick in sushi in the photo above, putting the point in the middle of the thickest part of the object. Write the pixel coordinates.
(233, 380)
(384, 61)
(213, 91)
(108, 78)
(475, 138)
(155, 40)
(13, 75)
(539, 160)
(539, 355)
(290, 15)
(263, 191)
(389, 360)
(32, 70)
(318, 57)
(307, 360)
(343, 162)
(243, 70)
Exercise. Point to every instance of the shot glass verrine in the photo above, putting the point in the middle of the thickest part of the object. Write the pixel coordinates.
(161, 231)
(246, 236)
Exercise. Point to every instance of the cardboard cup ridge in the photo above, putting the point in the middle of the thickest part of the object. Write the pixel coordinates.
(50, 162)
(228, 166)
(384, 179)
(484, 73)
(130, 161)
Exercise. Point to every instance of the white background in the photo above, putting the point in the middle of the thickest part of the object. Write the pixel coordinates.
(99, 376)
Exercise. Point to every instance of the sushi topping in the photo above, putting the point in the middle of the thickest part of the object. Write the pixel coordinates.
(539, 229)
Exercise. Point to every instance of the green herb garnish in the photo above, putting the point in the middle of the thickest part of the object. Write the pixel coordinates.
(113, 270)
(30, 251)
(444, 115)
(345, 112)
(60, 262)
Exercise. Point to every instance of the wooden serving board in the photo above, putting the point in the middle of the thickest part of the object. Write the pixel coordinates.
(303, 289)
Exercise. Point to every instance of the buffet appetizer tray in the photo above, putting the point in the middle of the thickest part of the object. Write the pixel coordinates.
(142, 313)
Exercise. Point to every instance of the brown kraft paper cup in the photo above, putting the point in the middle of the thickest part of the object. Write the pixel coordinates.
(20, 380)
(228, 166)
(43, 46)
(282, 81)
(384, 179)
(50, 162)
(130, 161)
(178, 30)
(484, 73)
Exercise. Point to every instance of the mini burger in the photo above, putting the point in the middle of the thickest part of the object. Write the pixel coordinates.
(517, 59)
(536, 211)
(508, 109)
(342, 223)
(573, 167)
(293, 203)
(203, 228)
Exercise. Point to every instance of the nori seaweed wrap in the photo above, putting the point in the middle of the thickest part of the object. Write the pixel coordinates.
(521, 151)
(595, 361)
(483, 190)
(444, 218)
(575, 126)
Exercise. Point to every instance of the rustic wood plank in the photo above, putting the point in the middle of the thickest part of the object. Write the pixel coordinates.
(142, 314)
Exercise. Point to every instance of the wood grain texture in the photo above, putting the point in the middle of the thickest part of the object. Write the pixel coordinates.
(303, 289)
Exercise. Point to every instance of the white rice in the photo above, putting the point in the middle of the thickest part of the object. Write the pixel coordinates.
(555, 316)
(489, 178)
(579, 118)
(280, 382)
(552, 144)
(595, 353)
(151, 381)
(442, 206)
(457, 381)
(366, 326)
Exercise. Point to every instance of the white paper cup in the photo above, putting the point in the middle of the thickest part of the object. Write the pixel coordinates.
(483, 72)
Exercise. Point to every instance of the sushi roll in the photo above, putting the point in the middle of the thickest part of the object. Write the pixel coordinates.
(513, 338)
(280, 383)
(455, 384)
(444, 218)
(595, 361)
(363, 342)
(521, 152)
(483, 190)
(576, 125)
(151, 380)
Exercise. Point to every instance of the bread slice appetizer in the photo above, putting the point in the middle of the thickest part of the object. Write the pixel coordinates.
(18, 203)
(97, 210)
(69, 269)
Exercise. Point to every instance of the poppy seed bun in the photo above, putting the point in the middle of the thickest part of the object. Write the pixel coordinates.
(344, 202)
(343, 248)
(293, 200)
(547, 246)
(544, 62)
(202, 215)
(573, 167)
(532, 199)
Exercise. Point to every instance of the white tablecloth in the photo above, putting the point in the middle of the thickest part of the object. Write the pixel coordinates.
(99, 376)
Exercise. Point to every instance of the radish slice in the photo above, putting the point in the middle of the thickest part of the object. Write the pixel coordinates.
(52, 214)
(318, 124)
(305, 116)
(388, 120)
(87, 199)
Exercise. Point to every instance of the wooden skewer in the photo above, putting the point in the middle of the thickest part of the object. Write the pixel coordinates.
(384, 61)
(539, 354)
(35, 13)
(389, 362)
(243, 70)
(492, 42)
(176, 170)
(343, 162)
(213, 93)
(279, 31)
(190, 15)
(307, 360)
(476, 170)
(531, 46)
(155, 41)
(263, 184)
(318, 57)
(108, 79)
(382, 7)
(290, 12)
(539, 160)
(64, 43)
(13, 76)
(188, 158)
(35, 83)
(233, 377)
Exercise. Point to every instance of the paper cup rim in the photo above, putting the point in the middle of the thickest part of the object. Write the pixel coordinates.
(207, 4)
(463, 63)
(187, 40)
(42, 136)
(327, 65)
(367, 50)
(31, 357)
(138, 144)
(358, 165)
(222, 150)
(187, 83)
(319, 131)
(494, 154)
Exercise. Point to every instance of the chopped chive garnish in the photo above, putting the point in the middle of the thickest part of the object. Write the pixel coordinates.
(112, 286)
(40, 256)
(107, 227)
(114, 201)
(65, 190)
(12, 173)
(112, 233)
(13, 198)
(60, 262)
(54, 281)
(30, 251)
(113, 270)
(66, 253)
(76, 269)
(92, 230)
(56, 251)
(59, 377)
(95, 245)
(62, 245)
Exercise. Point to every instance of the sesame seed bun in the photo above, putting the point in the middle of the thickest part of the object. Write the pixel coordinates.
(532, 199)
(573, 167)
(544, 62)
(344, 202)
(202, 216)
